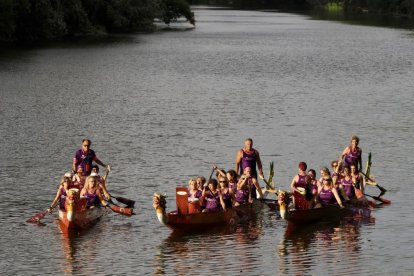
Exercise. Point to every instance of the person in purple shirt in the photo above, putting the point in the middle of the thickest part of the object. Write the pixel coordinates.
(84, 157)
(248, 157)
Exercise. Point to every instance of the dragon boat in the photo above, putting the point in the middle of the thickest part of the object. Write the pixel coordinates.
(328, 213)
(75, 215)
(188, 216)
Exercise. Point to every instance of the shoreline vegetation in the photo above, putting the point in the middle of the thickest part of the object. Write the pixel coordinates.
(25, 21)
(38, 20)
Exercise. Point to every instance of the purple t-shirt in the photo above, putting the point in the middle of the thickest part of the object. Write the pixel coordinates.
(85, 160)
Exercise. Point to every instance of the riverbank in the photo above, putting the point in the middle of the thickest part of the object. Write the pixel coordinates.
(31, 20)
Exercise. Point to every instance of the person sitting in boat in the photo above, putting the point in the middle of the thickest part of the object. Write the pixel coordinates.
(337, 172)
(226, 192)
(78, 179)
(93, 193)
(325, 173)
(357, 179)
(300, 188)
(201, 180)
(193, 191)
(313, 186)
(231, 176)
(327, 194)
(243, 194)
(252, 182)
(62, 192)
(102, 180)
(346, 186)
(352, 153)
(213, 197)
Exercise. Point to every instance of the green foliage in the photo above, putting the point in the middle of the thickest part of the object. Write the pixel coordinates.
(171, 10)
(7, 25)
(30, 20)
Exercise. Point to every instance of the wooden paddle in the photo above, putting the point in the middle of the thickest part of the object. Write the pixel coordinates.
(373, 183)
(36, 218)
(383, 200)
(120, 210)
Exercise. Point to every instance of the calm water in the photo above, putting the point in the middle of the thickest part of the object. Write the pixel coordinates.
(163, 107)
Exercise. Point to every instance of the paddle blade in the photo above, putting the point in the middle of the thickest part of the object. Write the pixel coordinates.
(382, 189)
(37, 217)
(123, 211)
(128, 202)
(383, 200)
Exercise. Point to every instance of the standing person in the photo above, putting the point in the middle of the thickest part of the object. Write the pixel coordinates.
(352, 154)
(84, 157)
(249, 157)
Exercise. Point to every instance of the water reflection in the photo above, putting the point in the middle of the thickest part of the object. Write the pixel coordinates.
(302, 248)
(80, 248)
(227, 248)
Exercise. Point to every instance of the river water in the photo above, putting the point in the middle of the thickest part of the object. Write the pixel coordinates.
(162, 107)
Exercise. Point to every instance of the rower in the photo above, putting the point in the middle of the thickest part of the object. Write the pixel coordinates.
(299, 188)
(101, 180)
(213, 197)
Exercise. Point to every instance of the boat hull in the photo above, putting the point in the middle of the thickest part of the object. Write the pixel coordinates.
(80, 219)
(205, 220)
(328, 213)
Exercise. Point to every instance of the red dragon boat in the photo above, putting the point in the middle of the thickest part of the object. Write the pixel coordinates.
(188, 215)
(75, 215)
(307, 216)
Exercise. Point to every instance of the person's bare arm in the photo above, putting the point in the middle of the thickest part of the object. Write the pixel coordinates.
(238, 160)
(259, 165)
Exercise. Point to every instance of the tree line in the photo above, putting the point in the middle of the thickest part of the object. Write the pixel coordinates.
(399, 7)
(32, 20)
(396, 7)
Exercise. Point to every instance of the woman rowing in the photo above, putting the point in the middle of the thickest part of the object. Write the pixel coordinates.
(314, 186)
(352, 154)
(226, 191)
(62, 192)
(337, 171)
(327, 194)
(299, 186)
(93, 193)
(231, 176)
(346, 184)
(78, 178)
(213, 198)
(357, 179)
(243, 194)
(252, 182)
(101, 180)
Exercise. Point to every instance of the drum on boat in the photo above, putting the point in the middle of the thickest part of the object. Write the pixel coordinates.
(194, 206)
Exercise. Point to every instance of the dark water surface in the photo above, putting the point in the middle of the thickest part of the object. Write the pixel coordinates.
(163, 107)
